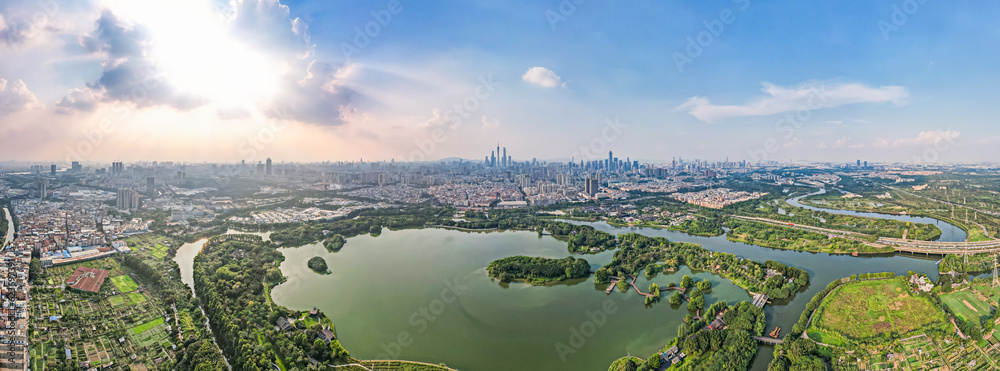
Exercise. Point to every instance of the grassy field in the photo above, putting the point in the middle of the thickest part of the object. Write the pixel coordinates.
(860, 310)
(146, 326)
(117, 301)
(152, 244)
(136, 298)
(979, 299)
(158, 250)
(124, 283)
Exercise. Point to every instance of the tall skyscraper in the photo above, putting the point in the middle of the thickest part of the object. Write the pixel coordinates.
(268, 170)
(591, 186)
(493, 159)
(150, 185)
(504, 157)
(42, 185)
(52, 170)
(128, 199)
(859, 163)
(611, 161)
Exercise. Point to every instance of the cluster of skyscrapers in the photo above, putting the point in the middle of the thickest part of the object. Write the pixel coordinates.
(503, 161)
(128, 199)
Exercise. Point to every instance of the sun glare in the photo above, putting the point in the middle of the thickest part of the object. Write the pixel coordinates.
(191, 45)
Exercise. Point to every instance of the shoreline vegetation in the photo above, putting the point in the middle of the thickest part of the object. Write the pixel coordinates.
(779, 209)
(711, 228)
(776, 237)
(318, 265)
(909, 203)
(640, 254)
(537, 271)
(233, 276)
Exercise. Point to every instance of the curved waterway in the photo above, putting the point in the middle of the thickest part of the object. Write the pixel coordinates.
(949, 232)
(186, 253)
(424, 295)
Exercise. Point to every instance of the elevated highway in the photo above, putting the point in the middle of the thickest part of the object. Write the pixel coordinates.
(897, 244)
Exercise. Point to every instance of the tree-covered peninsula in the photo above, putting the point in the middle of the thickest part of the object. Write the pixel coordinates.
(537, 270)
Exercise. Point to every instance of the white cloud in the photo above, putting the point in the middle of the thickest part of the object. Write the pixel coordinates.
(441, 119)
(924, 138)
(321, 97)
(808, 96)
(543, 77)
(15, 97)
(77, 100)
(842, 142)
(490, 122)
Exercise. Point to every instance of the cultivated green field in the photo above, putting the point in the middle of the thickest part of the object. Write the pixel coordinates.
(124, 283)
(861, 310)
(136, 298)
(979, 299)
(117, 301)
(146, 326)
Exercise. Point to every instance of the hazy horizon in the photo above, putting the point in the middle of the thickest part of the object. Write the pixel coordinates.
(308, 81)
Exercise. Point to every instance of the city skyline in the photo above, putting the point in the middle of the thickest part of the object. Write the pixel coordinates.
(307, 81)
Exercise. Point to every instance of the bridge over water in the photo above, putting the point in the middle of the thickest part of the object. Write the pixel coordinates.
(767, 340)
(898, 244)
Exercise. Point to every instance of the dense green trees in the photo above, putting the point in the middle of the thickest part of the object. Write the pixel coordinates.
(769, 207)
(800, 355)
(730, 349)
(201, 355)
(141, 268)
(602, 276)
(701, 227)
(793, 239)
(34, 270)
(697, 302)
(677, 298)
(361, 222)
(638, 251)
(579, 238)
(230, 278)
(537, 270)
(334, 243)
(317, 264)
(687, 282)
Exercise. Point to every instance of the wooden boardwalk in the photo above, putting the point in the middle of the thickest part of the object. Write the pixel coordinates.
(637, 289)
(611, 286)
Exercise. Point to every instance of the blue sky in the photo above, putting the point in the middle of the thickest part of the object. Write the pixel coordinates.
(903, 81)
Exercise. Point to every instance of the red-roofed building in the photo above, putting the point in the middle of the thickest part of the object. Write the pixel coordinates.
(87, 279)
